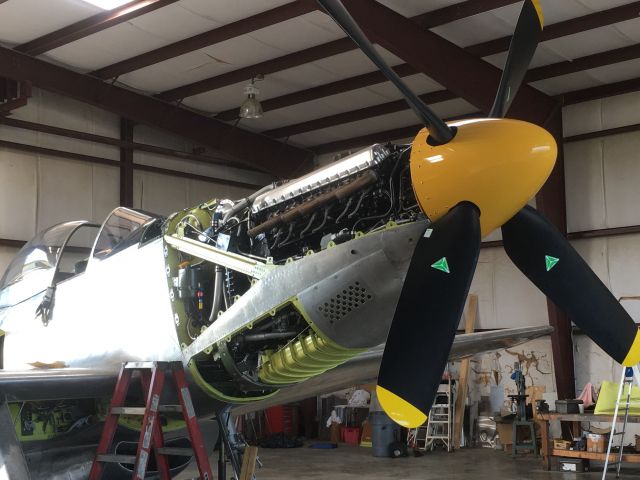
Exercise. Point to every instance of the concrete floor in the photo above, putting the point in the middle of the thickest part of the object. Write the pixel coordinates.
(355, 463)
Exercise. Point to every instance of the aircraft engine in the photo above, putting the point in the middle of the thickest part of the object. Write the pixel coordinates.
(356, 194)
(361, 193)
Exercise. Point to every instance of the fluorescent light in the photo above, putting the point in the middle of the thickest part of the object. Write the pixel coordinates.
(111, 4)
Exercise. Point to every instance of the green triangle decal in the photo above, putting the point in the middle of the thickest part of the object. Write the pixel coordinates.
(441, 265)
(550, 262)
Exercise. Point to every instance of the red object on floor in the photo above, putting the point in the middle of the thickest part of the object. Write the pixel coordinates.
(283, 419)
(351, 435)
(275, 419)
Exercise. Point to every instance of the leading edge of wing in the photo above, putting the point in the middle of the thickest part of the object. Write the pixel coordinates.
(364, 367)
(56, 384)
(469, 344)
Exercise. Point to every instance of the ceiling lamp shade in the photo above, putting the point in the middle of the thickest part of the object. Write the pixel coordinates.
(251, 107)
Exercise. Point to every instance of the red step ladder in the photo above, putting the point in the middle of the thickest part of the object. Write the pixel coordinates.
(152, 376)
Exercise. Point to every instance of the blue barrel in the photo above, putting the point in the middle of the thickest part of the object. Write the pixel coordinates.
(384, 432)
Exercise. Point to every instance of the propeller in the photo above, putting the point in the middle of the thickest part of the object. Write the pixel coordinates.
(545, 256)
(425, 321)
(523, 45)
(540, 251)
(512, 160)
(438, 129)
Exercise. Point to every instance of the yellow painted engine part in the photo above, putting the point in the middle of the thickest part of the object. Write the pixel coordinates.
(308, 355)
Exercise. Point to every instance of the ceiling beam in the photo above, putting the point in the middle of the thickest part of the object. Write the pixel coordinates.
(457, 11)
(603, 133)
(202, 40)
(278, 64)
(601, 91)
(454, 66)
(556, 30)
(587, 62)
(52, 152)
(116, 142)
(570, 98)
(356, 115)
(321, 91)
(440, 17)
(91, 25)
(249, 148)
(7, 242)
(562, 29)
(378, 137)
(368, 139)
(540, 73)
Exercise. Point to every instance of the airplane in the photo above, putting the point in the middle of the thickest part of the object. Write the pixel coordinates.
(357, 270)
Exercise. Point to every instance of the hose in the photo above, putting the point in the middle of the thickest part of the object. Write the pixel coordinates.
(355, 210)
(258, 337)
(306, 229)
(323, 223)
(346, 209)
(246, 202)
(291, 225)
(217, 294)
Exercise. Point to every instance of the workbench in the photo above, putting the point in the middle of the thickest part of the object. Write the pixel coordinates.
(546, 444)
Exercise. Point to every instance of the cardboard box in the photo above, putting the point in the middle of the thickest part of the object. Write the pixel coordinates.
(365, 438)
(577, 465)
(568, 406)
(596, 442)
(505, 431)
(561, 444)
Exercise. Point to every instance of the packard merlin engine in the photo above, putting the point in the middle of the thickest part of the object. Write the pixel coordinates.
(359, 194)
(356, 194)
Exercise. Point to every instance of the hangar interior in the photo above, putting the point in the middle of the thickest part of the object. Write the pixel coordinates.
(107, 103)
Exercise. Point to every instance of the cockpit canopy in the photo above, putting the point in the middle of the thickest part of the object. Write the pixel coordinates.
(63, 251)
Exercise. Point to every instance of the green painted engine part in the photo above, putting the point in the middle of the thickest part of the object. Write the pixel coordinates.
(307, 356)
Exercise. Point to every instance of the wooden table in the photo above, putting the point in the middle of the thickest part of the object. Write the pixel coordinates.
(546, 445)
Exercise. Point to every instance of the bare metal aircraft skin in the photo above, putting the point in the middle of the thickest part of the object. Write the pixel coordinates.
(292, 291)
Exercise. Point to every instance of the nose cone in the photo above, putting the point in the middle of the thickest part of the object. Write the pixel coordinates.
(498, 164)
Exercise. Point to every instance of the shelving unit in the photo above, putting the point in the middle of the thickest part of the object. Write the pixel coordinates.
(548, 451)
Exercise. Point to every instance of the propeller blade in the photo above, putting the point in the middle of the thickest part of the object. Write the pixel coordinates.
(427, 315)
(438, 129)
(542, 253)
(523, 45)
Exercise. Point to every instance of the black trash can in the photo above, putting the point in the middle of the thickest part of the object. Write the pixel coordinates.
(384, 432)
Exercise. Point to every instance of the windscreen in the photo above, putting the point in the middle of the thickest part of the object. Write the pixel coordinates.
(120, 230)
(31, 271)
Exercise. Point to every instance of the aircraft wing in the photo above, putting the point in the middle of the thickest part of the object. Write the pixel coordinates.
(364, 367)
(55, 384)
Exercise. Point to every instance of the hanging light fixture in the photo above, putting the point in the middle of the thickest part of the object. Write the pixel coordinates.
(251, 107)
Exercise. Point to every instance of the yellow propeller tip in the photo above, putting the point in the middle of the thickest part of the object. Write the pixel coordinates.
(538, 7)
(633, 355)
(400, 411)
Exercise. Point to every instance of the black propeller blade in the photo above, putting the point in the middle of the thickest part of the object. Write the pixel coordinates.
(541, 252)
(438, 129)
(523, 45)
(427, 315)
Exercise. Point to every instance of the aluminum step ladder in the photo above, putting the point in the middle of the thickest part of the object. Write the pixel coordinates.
(630, 375)
(440, 420)
(417, 437)
(152, 377)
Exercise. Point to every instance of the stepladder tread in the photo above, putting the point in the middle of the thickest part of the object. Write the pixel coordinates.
(114, 458)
